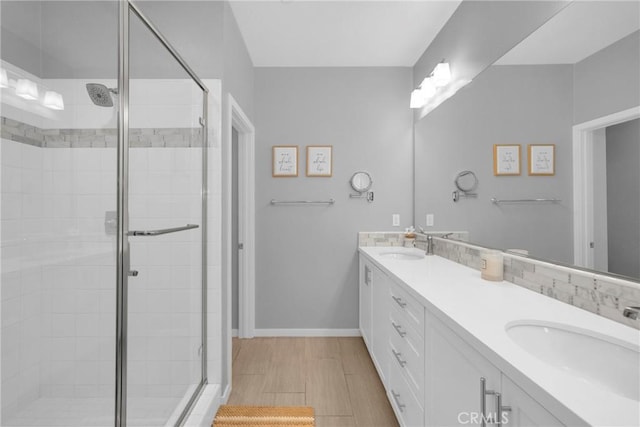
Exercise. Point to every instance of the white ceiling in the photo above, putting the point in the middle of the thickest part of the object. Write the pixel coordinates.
(578, 31)
(288, 33)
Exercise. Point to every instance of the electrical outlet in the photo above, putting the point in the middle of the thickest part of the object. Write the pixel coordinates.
(429, 220)
(396, 220)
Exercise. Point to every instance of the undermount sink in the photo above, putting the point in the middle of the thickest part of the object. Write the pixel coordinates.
(406, 254)
(593, 358)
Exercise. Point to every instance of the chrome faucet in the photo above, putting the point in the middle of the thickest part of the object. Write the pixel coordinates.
(429, 244)
(631, 313)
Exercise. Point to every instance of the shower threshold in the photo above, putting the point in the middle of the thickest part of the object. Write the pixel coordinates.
(93, 412)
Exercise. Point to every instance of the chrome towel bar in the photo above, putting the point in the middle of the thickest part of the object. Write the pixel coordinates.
(302, 202)
(498, 201)
(162, 231)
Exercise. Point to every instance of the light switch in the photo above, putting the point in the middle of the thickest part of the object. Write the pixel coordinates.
(396, 220)
(429, 220)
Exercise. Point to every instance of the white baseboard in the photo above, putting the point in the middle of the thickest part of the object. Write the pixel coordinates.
(307, 332)
(234, 333)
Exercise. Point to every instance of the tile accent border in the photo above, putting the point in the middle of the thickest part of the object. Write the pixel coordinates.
(14, 130)
(597, 293)
(384, 238)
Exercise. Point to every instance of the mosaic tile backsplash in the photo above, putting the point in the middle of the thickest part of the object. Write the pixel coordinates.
(598, 293)
(14, 130)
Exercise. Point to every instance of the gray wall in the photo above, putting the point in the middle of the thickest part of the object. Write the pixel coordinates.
(238, 68)
(76, 39)
(504, 105)
(306, 260)
(480, 32)
(623, 193)
(21, 35)
(607, 81)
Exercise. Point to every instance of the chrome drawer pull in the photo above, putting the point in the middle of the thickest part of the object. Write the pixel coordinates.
(400, 361)
(398, 300)
(396, 397)
(483, 403)
(399, 330)
(500, 409)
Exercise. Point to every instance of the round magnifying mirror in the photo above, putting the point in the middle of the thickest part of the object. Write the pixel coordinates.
(361, 182)
(466, 181)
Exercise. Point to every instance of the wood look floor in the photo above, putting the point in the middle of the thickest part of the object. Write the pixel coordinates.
(333, 375)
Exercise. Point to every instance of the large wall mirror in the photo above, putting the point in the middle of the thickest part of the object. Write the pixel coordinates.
(581, 65)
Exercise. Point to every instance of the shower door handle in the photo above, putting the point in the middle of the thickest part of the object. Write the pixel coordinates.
(162, 231)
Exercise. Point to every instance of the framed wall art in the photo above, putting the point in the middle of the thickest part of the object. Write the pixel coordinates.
(542, 159)
(319, 160)
(284, 161)
(506, 159)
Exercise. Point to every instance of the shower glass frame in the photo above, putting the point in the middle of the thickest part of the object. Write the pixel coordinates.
(126, 8)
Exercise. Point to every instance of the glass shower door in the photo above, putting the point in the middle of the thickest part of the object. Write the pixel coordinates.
(165, 350)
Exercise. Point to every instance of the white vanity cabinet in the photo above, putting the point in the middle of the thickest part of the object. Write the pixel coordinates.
(373, 297)
(432, 376)
(454, 373)
(524, 410)
(380, 320)
(365, 298)
(405, 351)
(465, 388)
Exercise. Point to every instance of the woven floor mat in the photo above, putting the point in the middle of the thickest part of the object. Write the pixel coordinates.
(264, 416)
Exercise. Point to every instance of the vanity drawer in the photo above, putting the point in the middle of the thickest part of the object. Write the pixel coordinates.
(406, 304)
(407, 407)
(407, 356)
(402, 329)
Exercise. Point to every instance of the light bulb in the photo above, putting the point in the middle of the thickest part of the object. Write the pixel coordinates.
(418, 100)
(4, 79)
(53, 100)
(442, 74)
(27, 89)
(428, 87)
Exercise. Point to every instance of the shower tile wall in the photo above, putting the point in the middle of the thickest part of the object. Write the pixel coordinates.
(58, 265)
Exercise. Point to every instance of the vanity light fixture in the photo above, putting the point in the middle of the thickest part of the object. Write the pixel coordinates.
(418, 100)
(27, 89)
(420, 96)
(4, 79)
(428, 87)
(442, 74)
(431, 86)
(53, 100)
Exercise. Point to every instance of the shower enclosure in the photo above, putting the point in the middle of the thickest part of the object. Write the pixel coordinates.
(103, 218)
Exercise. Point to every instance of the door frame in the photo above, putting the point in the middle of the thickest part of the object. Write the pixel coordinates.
(583, 198)
(236, 118)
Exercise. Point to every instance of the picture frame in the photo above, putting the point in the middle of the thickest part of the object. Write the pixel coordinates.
(320, 160)
(542, 159)
(506, 159)
(284, 163)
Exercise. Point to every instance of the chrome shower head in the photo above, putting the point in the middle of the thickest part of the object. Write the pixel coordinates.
(100, 94)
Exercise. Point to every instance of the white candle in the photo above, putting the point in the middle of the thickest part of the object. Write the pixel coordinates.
(492, 266)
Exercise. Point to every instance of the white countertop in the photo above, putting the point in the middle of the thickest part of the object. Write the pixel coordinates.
(478, 311)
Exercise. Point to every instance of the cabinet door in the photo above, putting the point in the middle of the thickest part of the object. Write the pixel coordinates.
(366, 283)
(453, 372)
(380, 322)
(525, 412)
